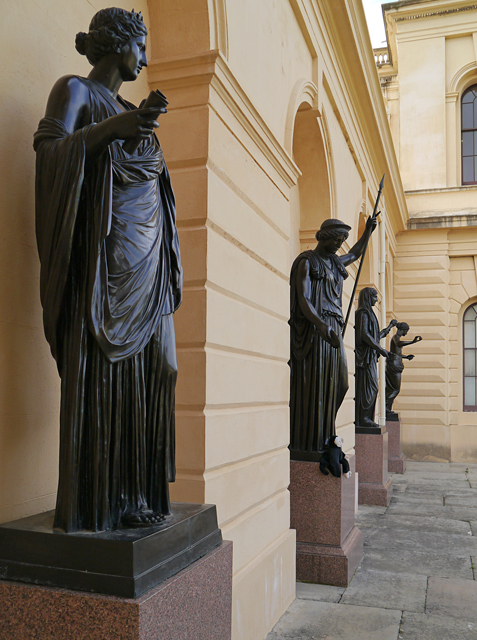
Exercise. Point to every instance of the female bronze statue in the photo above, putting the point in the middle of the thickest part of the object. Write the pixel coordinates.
(110, 281)
(367, 350)
(394, 363)
(318, 368)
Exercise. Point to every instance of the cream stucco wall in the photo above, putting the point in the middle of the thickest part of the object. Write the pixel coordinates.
(433, 60)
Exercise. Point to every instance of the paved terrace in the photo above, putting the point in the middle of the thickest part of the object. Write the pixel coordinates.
(417, 577)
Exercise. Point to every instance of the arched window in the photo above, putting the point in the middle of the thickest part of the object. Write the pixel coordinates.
(469, 135)
(470, 359)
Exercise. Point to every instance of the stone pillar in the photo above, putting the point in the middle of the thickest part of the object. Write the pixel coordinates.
(195, 604)
(374, 484)
(329, 545)
(396, 458)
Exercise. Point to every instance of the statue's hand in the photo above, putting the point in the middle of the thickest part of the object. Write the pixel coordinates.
(327, 333)
(410, 357)
(371, 224)
(417, 339)
(393, 322)
(136, 124)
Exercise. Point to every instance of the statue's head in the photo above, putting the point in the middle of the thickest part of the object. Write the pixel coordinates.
(367, 298)
(333, 233)
(110, 31)
(402, 327)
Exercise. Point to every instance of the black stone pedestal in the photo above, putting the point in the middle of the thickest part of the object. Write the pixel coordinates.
(124, 563)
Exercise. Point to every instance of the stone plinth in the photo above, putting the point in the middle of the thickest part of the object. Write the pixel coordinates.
(396, 458)
(329, 545)
(126, 562)
(374, 485)
(195, 604)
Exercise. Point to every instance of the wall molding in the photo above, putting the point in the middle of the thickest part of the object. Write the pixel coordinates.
(212, 70)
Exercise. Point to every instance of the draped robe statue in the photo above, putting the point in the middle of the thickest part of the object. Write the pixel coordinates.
(318, 367)
(110, 281)
(367, 352)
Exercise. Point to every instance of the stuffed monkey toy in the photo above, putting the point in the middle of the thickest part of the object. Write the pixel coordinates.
(333, 459)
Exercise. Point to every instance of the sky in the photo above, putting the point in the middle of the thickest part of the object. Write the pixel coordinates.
(374, 18)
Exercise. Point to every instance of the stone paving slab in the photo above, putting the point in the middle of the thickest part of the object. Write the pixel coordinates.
(422, 626)
(322, 592)
(457, 484)
(406, 498)
(310, 620)
(418, 523)
(410, 561)
(454, 490)
(372, 588)
(461, 501)
(431, 542)
(452, 597)
(454, 513)
(435, 467)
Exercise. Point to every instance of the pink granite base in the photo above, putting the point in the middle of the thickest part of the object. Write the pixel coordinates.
(374, 484)
(396, 458)
(378, 495)
(195, 604)
(324, 564)
(329, 545)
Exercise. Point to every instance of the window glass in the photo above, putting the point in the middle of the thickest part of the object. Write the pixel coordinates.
(469, 135)
(468, 169)
(470, 358)
(469, 362)
(468, 143)
(469, 392)
(469, 335)
(467, 116)
(471, 313)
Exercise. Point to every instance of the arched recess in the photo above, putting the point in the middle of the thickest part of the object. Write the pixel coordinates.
(312, 200)
(304, 93)
(187, 27)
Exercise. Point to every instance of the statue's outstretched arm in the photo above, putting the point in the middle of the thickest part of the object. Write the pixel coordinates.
(356, 250)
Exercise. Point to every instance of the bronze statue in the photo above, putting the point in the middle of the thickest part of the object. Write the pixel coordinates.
(318, 368)
(367, 352)
(111, 279)
(394, 364)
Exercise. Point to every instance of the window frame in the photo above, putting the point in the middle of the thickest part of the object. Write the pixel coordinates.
(469, 408)
(473, 130)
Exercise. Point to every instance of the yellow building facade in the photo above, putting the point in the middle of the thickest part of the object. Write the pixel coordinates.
(429, 65)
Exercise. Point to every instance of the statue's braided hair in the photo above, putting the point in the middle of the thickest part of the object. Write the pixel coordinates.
(109, 30)
(331, 233)
(402, 326)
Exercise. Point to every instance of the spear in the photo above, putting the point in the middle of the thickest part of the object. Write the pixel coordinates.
(375, 215)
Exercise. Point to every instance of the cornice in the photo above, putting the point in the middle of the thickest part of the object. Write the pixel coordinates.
(355, 69)
(430, 14)
(211, 69)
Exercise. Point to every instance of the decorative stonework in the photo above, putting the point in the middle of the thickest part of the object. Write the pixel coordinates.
(430, 14)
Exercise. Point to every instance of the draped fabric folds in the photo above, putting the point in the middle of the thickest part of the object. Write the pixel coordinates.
(110, 280)
(318, 371)
(366, 327)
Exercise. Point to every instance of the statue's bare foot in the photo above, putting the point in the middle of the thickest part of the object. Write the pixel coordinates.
(143, 518)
